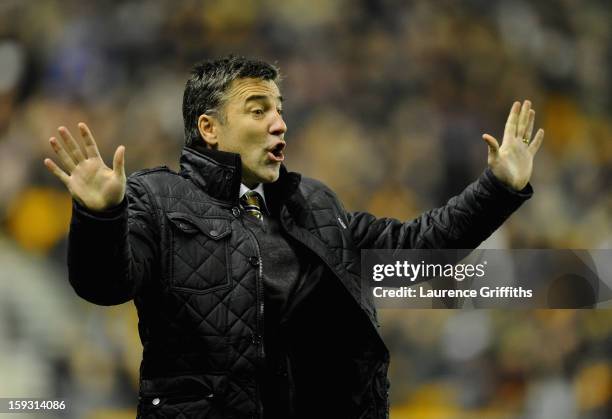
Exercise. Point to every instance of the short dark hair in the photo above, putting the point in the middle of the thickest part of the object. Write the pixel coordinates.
(209, 81)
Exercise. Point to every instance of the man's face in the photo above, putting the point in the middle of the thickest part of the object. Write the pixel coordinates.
(254, 128)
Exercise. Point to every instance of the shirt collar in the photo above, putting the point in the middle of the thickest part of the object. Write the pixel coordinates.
(259, 189)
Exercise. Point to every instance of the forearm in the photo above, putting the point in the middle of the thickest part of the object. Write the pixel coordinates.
(470, 217)
(99, 255)
(463, 223)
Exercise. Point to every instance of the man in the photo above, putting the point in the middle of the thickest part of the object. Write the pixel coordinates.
(246, 276)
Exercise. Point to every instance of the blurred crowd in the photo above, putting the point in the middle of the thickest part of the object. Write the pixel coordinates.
(386, 102)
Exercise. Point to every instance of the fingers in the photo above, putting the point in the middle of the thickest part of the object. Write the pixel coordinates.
(523, 121)
(512, 122)
(71, 146)
(534, 146)
(119, 161)
(518, 120)
(91, 148)
(65, 159)
(529, 130)
(492, 143)
(54, 168)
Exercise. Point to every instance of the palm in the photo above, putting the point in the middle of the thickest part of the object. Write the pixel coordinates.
(512, 163)
(95, 184)
(89, 180)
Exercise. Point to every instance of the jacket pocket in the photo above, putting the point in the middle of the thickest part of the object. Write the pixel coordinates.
(192, 396)
(199, 257)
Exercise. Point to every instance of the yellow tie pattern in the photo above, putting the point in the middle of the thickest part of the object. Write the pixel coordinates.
(251, 203)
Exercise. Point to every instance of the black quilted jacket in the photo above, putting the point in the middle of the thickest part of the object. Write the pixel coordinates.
(178, 246)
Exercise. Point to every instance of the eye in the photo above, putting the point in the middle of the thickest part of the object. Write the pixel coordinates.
(257, 112)
(280, 111)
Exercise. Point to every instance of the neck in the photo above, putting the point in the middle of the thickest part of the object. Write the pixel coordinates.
(250, 185)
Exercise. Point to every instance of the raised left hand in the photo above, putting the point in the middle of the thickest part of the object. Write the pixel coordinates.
(512, 163)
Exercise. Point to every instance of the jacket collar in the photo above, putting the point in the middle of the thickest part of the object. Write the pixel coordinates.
(219, 173)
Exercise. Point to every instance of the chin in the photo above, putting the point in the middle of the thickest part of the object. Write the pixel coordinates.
(269, 176)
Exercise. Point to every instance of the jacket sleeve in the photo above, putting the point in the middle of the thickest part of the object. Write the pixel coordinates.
(463, 223)
(112, 253)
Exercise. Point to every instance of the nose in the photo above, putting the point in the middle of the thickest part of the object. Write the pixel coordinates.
(278, 126)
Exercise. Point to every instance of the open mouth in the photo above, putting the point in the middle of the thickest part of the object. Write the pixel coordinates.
(276, 153)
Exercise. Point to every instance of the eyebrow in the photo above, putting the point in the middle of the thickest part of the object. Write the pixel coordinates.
(262, 97)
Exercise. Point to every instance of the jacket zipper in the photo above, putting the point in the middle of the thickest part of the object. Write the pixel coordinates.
(260, 314)
(260, 297)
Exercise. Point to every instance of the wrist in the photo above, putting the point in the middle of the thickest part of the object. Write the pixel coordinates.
(495, 179)
(503, 178)
(107, 213)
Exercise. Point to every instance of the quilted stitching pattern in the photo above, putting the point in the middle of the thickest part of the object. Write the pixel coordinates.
(197, 299)
(200, 263)
(212, 293)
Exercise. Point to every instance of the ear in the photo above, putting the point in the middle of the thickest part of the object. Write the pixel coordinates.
(207, 125)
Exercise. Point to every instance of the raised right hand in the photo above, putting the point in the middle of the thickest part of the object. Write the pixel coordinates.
(90, 182)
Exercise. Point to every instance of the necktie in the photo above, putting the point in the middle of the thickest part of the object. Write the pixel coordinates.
(252, 202)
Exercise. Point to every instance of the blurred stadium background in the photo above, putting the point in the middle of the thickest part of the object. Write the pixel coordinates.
(386, 103)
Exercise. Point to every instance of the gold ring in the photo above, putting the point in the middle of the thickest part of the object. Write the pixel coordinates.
(525, 140)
